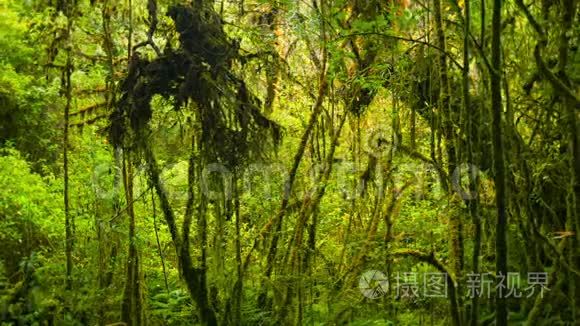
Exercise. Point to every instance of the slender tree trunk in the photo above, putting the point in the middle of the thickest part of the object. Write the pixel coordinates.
(455, 224)
(277, 221)
(115, 243)
(156, 228)
(101, 264)
(68, 93)
(309, 206)
(272, 70)
(106, 260)
(239, 285)
(317, 109)
(473, 201)
(445, 109)
(194, 278)
(573, 222)
(127, 302)
(131, 307)
(498, 160)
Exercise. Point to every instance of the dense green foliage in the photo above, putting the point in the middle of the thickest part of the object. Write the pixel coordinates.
(250, 162)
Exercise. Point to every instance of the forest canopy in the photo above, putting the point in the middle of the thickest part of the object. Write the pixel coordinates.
(321, 162)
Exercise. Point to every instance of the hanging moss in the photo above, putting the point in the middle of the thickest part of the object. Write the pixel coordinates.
(198, 71)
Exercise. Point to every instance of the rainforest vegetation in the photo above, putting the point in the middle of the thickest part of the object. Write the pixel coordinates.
(289, 162)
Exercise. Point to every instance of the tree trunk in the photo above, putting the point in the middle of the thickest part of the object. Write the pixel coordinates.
(159, 250)
(277, 221)
(498, 160)
(131, 307)
(455, 224)
(68, 93)
(193, 277)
